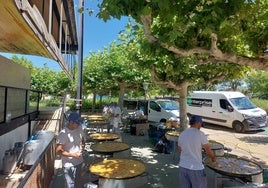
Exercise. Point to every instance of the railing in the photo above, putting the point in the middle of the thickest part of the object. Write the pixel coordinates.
(17, 107)
(41, 172)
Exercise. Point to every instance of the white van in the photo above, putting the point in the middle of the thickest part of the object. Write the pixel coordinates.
(160, 110)
(230, 109)
(157, 110)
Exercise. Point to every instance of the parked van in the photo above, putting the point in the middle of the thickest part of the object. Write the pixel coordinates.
(161, 110)
(230, 109)
(157, 110)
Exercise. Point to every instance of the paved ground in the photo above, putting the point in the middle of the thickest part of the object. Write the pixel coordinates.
(162, 169)
(251, 145)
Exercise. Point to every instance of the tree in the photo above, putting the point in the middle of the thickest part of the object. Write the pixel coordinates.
(220, 29)
(113, 68)
(44, 79)
(23, 61)
(205, 40)
(94, 78)
(63, 84)
(257, 82)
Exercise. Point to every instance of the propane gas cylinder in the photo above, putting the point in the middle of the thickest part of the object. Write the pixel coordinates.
(8, 161)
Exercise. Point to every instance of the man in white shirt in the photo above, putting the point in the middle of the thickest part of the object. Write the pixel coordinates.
(116, 118)
(190, 143)
(111, 116)
(70, 145)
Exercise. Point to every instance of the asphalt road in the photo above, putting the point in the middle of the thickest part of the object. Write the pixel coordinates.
(263, 131)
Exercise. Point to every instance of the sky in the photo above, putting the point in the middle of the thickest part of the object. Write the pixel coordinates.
(97, 34)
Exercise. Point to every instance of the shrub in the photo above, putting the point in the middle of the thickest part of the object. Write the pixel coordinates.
(262, 103)
(50, 102)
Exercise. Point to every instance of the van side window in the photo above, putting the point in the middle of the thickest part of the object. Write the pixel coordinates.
(224, 104)
(154, 106)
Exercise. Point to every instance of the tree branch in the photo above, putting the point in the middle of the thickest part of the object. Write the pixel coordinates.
(146, 21)
(215, 54)
(168, 83)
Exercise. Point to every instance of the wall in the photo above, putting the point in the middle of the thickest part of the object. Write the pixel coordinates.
(13, 74)
(8, 140)
(17, 76)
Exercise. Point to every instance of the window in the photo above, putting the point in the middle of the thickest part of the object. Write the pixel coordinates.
(154, 106)
(224, 104)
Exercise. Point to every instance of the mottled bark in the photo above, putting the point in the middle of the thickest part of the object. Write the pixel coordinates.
(121, 95)
(183, 108)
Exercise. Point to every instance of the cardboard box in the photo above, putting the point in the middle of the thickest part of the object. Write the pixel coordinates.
(142, 129)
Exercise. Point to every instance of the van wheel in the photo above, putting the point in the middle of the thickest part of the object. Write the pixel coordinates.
(238, 127)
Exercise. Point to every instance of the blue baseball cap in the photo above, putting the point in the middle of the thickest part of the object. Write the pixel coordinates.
(75, 118)
(196, 118)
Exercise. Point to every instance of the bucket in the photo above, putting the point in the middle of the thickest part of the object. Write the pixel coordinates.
(32, 151)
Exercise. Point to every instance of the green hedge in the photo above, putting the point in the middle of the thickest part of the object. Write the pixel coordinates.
(50, 102)
(87, 103)
(262, 103)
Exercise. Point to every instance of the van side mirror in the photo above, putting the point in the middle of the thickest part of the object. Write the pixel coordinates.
(230, 108)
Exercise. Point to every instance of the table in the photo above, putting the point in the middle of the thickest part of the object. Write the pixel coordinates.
(232, 168)
(117, 149)
(95, 117)
(104, 136)
(98, 124)
(95, 122)
(125, 173)
(173, 136)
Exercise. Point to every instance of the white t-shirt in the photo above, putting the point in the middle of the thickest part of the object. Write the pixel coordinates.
(71, 141)
(117, 120)
(111, 112)
(191, 141)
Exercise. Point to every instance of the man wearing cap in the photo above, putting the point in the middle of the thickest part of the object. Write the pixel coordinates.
(190, 144)
(111, 116)
(70, 144)
(117, 118)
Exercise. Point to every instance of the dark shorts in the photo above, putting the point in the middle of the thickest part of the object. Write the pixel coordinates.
(192, 178)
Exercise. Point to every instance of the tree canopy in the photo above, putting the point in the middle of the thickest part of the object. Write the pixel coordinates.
(113, 69)
(257, 83)
(191, 42)
(223, 30)
(46, 80)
